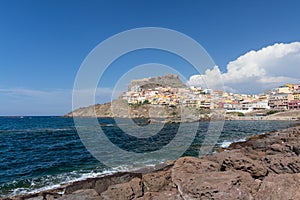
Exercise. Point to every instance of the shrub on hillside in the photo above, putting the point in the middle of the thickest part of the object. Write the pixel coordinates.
(271, 112)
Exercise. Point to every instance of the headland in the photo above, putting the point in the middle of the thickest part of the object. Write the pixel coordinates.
(168, 98)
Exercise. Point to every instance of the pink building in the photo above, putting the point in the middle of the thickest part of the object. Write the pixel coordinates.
(296, 87)
(294, 105)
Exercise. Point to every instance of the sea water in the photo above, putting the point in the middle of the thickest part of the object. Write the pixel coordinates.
(38, 153)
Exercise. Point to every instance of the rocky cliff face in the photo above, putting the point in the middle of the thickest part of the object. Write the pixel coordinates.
(169, 80)
(119, 108)
(264, 167)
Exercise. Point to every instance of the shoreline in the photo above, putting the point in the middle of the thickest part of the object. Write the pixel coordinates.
(255, 162)
(263, 118)
(177, 121)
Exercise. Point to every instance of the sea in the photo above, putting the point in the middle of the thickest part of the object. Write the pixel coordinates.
(40, 153)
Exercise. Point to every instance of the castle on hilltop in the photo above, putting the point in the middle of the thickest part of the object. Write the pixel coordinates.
(169, 80)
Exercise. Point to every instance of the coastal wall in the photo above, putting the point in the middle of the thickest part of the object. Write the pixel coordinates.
(265, 166)
(121, 109)
(292, 115)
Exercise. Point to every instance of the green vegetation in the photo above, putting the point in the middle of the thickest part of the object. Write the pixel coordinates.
(271, 112)
(200, 111)
(139, 103)
(146, 102)
(241, 114)
(135, 105)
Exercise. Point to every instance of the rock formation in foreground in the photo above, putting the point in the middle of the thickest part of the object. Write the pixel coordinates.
(264, 167)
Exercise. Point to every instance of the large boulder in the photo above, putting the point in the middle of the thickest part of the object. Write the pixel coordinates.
(201, 179)
(282, 186)
(280, 164)
(194, 165)
(157, 181)
(88, 194)
(238, 161)
(216, 185)
(163, 195)
(129, 190)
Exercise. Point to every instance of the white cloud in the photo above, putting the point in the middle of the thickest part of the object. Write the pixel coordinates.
(257, 71)
(212, 78)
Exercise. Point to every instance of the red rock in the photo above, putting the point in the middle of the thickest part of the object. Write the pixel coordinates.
(128, 190)
(280, 164)
(282, 186)
(89, 194)
(238, 161)
(157, 181)
(216, 185)
(192, 165)
(164, 195)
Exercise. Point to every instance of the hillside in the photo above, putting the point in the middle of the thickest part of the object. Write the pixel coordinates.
(120, 108)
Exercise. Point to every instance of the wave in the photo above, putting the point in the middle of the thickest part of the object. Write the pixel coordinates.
(48, 182)
(35, 185)
(226, 144)
(40, 130)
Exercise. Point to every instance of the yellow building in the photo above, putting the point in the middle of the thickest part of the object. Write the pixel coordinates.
(292, 87)
(284, 90)
(295, 96)
(289, 85)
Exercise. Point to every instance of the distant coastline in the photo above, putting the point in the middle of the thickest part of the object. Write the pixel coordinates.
(165, 114)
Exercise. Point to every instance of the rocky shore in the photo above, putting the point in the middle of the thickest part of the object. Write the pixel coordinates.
(263, 167)
(288, 115)
(120, 109)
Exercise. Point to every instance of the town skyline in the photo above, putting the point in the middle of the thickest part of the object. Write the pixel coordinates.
(284, 97)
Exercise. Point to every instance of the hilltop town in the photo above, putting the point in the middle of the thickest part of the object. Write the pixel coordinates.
(168, 93)
(286, 97)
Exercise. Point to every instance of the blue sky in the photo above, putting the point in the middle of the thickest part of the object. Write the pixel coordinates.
(43, 43)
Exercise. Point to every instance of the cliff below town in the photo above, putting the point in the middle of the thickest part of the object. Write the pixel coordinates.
(265, 166)
(121, 109)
